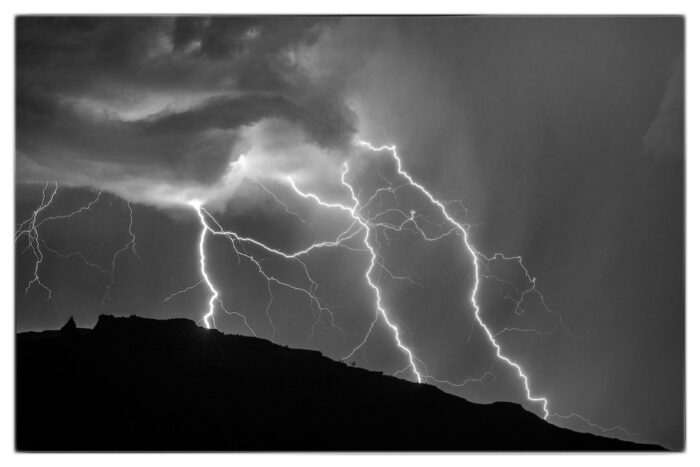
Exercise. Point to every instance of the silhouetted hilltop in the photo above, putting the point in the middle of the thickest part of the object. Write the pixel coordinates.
(142, 384)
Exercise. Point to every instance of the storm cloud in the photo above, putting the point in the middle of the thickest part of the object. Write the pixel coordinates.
(168, 101)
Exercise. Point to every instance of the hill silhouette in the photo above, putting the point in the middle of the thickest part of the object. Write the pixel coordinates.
(141, 384)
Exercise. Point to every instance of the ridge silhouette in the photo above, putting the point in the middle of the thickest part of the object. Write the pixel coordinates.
(168, 385)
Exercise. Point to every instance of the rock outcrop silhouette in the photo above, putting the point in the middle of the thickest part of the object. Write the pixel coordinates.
(141, 384)
(70, 328)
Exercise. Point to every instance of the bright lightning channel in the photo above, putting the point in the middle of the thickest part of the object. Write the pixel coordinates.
(475, 255)
(380, 310)
(238, 243)
(203, 268)
(477, 259)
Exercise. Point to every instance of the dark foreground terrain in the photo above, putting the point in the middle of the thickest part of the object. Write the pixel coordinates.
(140, 384)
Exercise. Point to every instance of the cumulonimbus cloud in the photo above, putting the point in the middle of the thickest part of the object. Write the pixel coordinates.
(159, 109)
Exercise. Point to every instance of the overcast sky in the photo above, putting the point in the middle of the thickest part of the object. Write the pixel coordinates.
(563, 138)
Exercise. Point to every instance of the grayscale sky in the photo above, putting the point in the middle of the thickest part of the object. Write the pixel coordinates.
(562, 137)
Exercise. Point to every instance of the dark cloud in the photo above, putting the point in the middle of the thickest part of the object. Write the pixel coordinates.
(166, 97)
(192, 144)
(84, 54)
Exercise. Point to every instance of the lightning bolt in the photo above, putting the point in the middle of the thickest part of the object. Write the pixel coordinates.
(281, 203)
(238, 244)
(599, 428)
(476, 258)
(374, 258)
(487, 374)
(185, 290)
(479, 261)
(129, 245)
(203, 268)
(29, 229)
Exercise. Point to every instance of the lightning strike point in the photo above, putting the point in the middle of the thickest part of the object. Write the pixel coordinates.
(203, 267)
